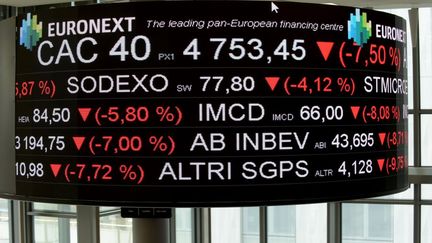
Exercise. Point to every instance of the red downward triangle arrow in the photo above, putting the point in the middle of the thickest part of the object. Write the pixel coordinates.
(78, 141)
(382, 137)
(380, 163)
(84, 112)
(55, 169)
(355, 111)
(272, 82)
(325, 48)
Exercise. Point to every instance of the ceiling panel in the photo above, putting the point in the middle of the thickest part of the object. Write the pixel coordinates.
(22, 3)
(361, 3)
(377, 3)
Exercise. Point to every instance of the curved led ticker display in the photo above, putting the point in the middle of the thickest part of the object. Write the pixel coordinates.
(210, 104)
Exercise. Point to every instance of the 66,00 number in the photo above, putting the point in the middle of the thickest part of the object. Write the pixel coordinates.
(315, 113)
(29, 170)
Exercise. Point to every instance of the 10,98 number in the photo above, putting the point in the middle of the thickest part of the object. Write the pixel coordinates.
(29, 169)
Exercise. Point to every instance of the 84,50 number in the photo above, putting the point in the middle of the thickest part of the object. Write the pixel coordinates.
(54, 115)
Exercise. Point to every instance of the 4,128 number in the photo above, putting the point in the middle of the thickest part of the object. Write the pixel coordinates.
(358, 167)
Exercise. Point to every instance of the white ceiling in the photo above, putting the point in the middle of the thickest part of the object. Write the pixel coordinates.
(361, 3)
(22, 3)
(376, 3)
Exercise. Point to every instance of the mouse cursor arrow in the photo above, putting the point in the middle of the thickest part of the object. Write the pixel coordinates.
(274, 7)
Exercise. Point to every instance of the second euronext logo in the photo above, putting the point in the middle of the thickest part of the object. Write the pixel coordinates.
(359, 28)
(30, 32)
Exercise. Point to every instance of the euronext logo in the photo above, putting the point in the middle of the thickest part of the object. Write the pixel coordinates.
(359, 28)
(30, 32)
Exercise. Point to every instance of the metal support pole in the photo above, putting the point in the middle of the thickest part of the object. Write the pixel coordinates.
(88, 224)
(64, 226)
(21, 233)
(334, 222)
(151, 230)
(201, 222)
(172, 222)
(263, 224)
(414, 25)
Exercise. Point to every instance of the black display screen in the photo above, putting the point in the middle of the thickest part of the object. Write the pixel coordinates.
(210, 104)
